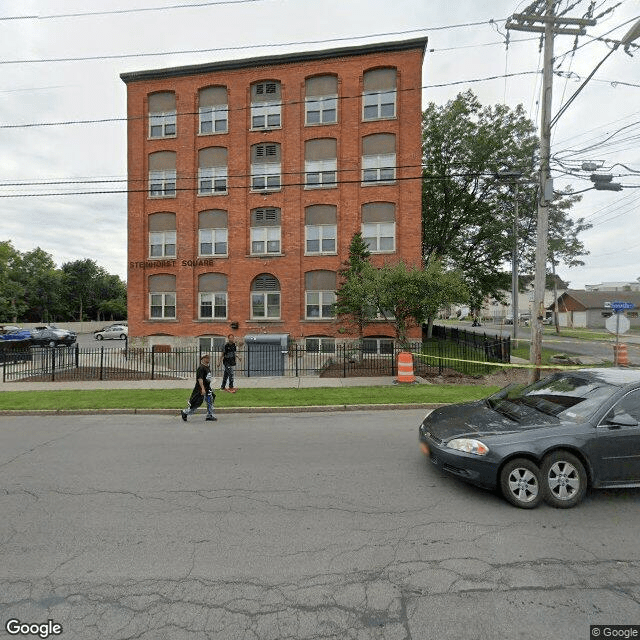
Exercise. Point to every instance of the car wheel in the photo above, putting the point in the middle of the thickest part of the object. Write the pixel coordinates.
(520, 483)
(564, 480)
(99, 337)
(52, 343)
(122, 336)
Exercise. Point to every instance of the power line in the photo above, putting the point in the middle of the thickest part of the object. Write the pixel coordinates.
(245, 108)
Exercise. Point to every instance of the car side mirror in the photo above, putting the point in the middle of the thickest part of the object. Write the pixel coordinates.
(622, 420)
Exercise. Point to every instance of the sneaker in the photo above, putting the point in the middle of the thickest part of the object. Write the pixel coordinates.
(211, 418)
(232, 390)
(184, 415)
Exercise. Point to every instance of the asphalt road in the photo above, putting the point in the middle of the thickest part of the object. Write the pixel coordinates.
(291, 526)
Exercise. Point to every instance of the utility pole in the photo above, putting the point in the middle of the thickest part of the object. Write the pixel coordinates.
(551, 25)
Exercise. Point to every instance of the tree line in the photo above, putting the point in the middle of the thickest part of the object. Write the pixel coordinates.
(33, 289)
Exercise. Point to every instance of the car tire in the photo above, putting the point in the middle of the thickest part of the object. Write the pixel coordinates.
(123, 337)
(52, 343)
(99, 337)
(564, 480)
(520, 482)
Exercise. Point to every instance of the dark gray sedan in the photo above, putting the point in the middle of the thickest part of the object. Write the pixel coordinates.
(547, 441)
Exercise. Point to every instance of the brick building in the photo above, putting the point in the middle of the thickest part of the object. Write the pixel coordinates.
(248, 179)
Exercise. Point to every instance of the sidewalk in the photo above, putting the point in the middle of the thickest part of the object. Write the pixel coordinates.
(274, 382)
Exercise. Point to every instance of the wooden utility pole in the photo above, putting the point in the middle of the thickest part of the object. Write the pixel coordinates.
(551, 25)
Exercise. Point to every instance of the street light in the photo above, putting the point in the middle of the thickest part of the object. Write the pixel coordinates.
(512, 177)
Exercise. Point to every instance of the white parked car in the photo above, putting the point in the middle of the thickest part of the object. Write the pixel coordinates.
(115, 332)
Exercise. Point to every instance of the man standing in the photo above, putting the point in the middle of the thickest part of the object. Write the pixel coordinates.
(201, 391)
(228, 361)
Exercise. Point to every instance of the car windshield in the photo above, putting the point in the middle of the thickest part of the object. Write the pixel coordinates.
(566, 395)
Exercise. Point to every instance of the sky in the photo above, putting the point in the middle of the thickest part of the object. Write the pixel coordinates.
(63, 104)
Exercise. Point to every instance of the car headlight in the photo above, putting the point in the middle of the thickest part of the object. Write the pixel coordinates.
(468, 445)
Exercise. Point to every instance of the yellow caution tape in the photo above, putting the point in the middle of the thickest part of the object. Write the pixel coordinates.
(506, 366)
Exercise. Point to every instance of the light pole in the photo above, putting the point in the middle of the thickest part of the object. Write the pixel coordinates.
(512, 177)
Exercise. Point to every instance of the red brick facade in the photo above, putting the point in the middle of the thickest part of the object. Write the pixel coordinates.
(240, 265)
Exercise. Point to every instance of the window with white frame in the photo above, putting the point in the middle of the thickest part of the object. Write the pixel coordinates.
(265, 231)
(320, 344)
(162, 174)
(265, 298)
(320, 295)
(212, 296)
(265, 167)
(162, 244)
(321, 100)
(379, 226)
(381, 346)
(162, 184)
(379, 94)
(213, 110)
(320, 229)
(162, 115)
(320, 163)
(211, 344)
(266, 105)
(162, 235)
(379, 158)
(162, 296)
(213, 233)
(212, 171)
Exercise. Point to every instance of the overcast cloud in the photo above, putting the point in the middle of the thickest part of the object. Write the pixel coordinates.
(35, 89)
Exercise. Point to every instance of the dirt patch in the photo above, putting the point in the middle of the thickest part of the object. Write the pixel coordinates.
(89, 374)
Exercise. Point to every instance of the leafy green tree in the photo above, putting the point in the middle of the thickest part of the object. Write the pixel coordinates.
(354, 308)
(467, 210)
(40, 280)
(11, 290)
(407, 296)
(80, 279)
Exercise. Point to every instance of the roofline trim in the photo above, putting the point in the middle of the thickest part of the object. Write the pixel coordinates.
(287, 58)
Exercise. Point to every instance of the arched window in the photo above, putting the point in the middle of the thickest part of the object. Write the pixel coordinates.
(162, 296)
(379, 94)
(162, 235)
(266, 105)
(265, 297)
(212, 296)
(162, 174)
(321, 100)
(213, 110)
(162, 115)
(320, 295)
(379, 158)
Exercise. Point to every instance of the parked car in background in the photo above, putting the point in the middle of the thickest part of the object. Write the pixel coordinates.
(549, 441)
(9, 328)
(15, 334)
(52, 336)
(114, 332)
(109, 326)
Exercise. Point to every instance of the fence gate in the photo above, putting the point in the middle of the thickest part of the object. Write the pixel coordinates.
(266, 354)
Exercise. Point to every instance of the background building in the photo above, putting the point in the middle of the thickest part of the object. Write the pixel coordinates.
(248, 179)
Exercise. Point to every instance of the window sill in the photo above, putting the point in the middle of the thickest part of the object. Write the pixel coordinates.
(163, 197)
(212, 133)
(321, 124)
(381, 119)
(213, 256)
(265, 192)
(213, 193)
(320, 254)
(262, 256)
(333, 185)
(378, 183)
(265, 129)
(172, 137)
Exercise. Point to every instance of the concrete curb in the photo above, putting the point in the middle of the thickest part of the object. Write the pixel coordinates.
(221, 411)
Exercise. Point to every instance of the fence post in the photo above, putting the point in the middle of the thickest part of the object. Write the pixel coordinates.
(101, 362)
(344, 360)
(53, 364)
(440, 353)
(296, 357)
(153, 362)
(77, 358)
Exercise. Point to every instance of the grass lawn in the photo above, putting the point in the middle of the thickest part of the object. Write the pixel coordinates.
(177, 398)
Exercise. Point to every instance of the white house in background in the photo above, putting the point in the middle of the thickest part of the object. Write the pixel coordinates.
(497, 311)
(614, 286)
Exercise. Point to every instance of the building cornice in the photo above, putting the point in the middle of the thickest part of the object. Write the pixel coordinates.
(283, 59)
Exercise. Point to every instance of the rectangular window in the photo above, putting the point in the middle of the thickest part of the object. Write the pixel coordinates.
(321, 110)
(265, 240)
(378, 105)
(265, 115)
(320, 304)
(213, 306)
(379, 236)
(162, 244)
(213, 242)
(162, 125)
(379, 168)
(320, 173)
(208, 344)
(265, 176)
(214, 119)
(265, 305)
(162, 184)
(212, 180)
(162, 305)
(380, 346)
(320, 238)
(320, 345)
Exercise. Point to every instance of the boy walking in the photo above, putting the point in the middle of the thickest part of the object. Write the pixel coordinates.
(201, 391)
(228, 361)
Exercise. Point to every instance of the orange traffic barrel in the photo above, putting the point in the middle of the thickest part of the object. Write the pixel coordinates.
(621, 355)
(405, 367)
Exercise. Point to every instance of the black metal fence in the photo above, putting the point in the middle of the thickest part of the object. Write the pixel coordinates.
(451, 351)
